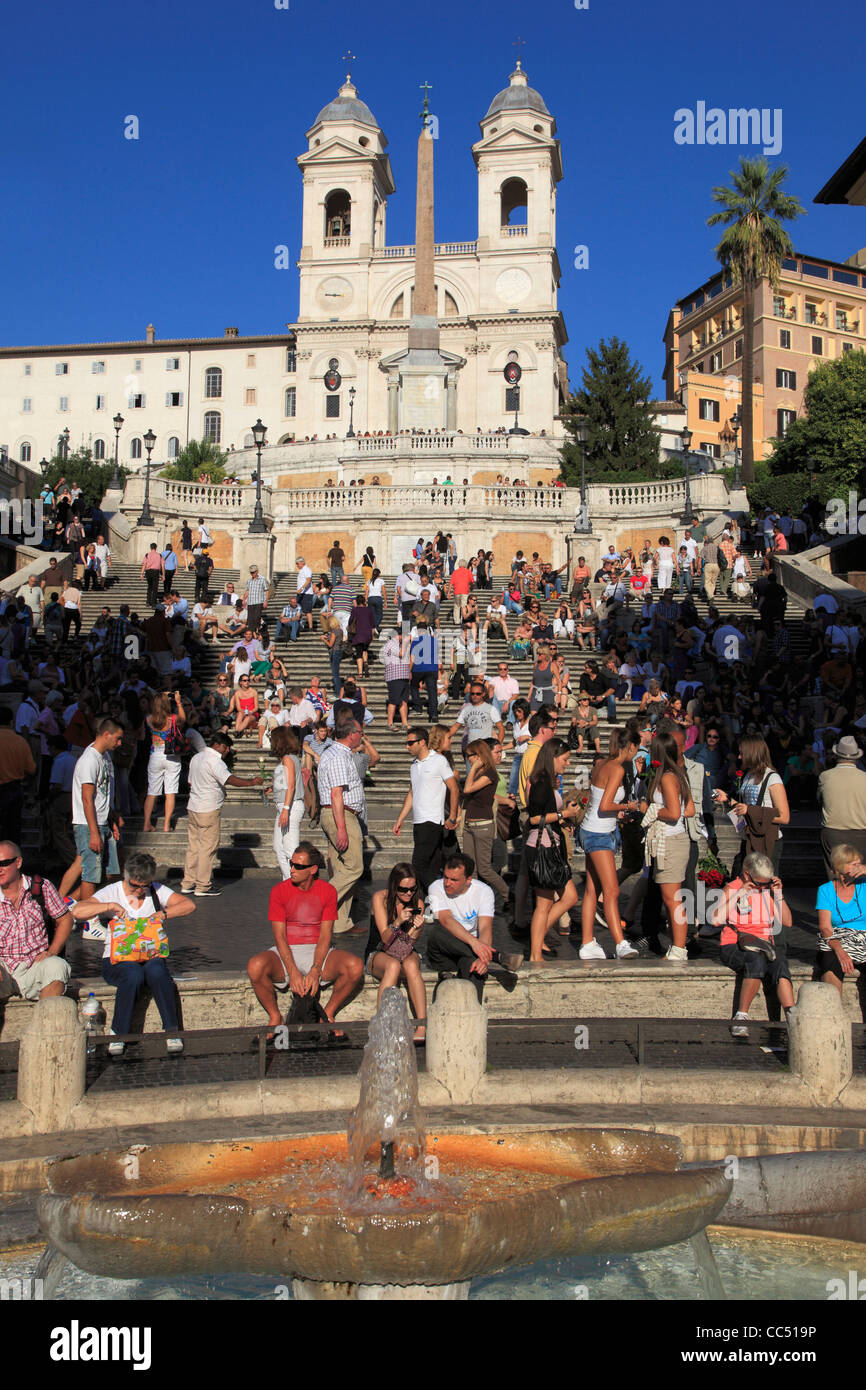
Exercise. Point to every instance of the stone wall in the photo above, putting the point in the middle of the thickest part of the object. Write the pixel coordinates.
(505, 545)
(221, 552)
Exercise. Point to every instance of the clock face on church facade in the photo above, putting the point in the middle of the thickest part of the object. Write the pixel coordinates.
(513, 286)
(334, 294)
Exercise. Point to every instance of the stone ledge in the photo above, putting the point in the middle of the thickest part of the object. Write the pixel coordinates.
(579, 990)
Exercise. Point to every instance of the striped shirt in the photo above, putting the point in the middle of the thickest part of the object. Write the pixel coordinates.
(257, 590)
(337, 769)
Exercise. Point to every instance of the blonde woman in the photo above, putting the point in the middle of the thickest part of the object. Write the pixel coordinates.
(163, 767)
(842, 918)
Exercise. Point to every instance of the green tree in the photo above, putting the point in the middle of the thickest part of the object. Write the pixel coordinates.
(752, 249)
(613, 407)
(832, 429)
(199, 456)
(92, 475)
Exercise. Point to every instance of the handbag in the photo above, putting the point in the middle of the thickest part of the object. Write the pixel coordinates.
(550, 868)
(400, 946)
(137, 939)
(507, 821)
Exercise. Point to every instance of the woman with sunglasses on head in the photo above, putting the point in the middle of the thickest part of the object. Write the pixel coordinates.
(547, 814)
(752, 915)
(392, 954)
(138, 896)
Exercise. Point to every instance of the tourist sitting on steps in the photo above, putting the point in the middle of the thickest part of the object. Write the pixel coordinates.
(752, 915)
(461, 940)
(392, 951)
(302, 911)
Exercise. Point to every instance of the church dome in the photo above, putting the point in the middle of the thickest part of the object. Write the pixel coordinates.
(518, 96)
(346, 106)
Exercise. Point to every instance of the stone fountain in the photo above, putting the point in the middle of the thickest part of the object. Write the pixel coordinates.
(386, 1211)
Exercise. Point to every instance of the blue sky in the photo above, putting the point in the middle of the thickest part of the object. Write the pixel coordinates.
(101, 235)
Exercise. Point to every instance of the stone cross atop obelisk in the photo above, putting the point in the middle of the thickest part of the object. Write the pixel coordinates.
(424, 330)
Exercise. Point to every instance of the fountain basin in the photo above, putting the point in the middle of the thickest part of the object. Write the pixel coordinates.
(273, 1207)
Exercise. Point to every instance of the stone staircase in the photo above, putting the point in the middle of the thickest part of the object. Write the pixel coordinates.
(247, 824)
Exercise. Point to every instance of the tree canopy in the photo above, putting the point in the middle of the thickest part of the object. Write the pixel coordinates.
(613, 407)
(197, 457)
(832, 429)
(91, 475)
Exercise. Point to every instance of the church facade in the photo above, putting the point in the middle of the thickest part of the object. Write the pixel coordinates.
(495, 302)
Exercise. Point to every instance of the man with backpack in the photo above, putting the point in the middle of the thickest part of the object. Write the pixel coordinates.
(34, 926)
(203, 572)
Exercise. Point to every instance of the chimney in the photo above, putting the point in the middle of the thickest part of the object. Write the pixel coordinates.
(150, 335)
(231, 332)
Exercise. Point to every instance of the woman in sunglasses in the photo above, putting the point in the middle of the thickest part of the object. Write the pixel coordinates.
(391, 955)
(244, 706)
(753, 915)
(139, 897)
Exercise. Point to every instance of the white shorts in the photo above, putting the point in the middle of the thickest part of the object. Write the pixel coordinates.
(162, 774)
(32, 979)
(303, 957)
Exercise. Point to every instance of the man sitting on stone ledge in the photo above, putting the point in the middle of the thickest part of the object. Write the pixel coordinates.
(30, 963)
(302, 911)
(462, 935)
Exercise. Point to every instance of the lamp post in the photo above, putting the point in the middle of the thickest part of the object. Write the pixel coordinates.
(350, 433)
(118, 426)
(257, 526)
(63, 442)
(146, 519)
(736, 421)
(582, 525)
(686, 437)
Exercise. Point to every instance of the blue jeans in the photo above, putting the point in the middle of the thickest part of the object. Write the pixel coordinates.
(335, 655)
(291, 626)
(129, 980)
(376, 605)
(336, 574)
(685, 582)
(514, 779)
(511, 606)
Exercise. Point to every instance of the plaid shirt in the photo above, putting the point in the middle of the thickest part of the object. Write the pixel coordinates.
(395, 668)
(337, 769)
(257, 590)
(22, 929)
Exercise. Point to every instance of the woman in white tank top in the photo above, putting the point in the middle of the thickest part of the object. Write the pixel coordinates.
(665, 564)
(599, 838)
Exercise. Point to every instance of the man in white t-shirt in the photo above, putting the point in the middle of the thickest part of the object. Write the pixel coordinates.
(208, 778)
(691, 545)
(430, 777)
(32, 594)
(462, 935)
(305, 594)
(95, 822)
(478, 719)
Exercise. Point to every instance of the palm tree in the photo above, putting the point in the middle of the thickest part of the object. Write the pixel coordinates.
(752, 249)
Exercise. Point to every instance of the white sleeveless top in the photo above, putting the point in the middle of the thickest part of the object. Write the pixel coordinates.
(592, 821)
(679, 826)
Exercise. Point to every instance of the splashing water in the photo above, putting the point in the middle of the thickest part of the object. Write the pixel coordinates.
(387, 1136)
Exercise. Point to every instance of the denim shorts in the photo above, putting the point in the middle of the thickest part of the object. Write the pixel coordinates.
(92, 864)
(591, 841)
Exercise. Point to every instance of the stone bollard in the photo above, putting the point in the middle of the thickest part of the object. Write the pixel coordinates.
(52, 1058)
(819, 1042)
(457, 1039)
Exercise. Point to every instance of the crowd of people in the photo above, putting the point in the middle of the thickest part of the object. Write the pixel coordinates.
(743, 717)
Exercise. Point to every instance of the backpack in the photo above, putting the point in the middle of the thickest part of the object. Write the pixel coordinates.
(37, 893)
(723, 560)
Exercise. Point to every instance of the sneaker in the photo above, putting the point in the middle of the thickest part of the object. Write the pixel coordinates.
(208, 892)
(625, 951)
(70, 902)
(174, 1046)
(677, 954)
(739, 1026)
(592, 951)
(94, 931)
(509, 962)
(116, 1049)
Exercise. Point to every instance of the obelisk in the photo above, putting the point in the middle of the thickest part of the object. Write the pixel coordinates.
(424, 329)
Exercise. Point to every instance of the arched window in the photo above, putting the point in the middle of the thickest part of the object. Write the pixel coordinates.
(338, 214)
(213, 383)
(99, 448)
(135, 448)
(24, 454)
(212, 426)
(451, 310)
(397, 307)
(173, 447)
(249, 441)
(514, 201)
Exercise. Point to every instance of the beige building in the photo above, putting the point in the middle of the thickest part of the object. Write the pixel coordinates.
(496, 302)
(816, 314)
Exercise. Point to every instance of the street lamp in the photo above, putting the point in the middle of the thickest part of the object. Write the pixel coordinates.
(118, 426)
(257, 526)
(686, 437)
(63, 441)
(350, 433)
(582, 525)
(736, 421)
(146, 519)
